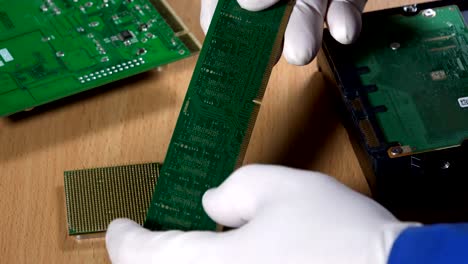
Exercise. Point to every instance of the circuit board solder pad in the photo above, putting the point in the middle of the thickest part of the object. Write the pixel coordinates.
(50, 49)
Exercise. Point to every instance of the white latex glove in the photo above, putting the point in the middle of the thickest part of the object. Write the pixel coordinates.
(303, 35)
(284, 216)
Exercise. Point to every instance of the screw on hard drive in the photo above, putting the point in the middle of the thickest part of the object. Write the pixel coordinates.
(396, 151)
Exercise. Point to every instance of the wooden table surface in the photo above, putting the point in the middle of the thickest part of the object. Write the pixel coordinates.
(131, 122)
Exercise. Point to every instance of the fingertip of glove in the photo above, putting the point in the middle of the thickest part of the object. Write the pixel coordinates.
(256, 5)
(209, 199)
(120, 224)
(204, 27)
(116, 231)
(344, 35)
(344, 21)
(299, 58)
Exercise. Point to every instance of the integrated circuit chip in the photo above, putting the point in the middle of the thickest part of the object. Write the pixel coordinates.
(50, 49)
(126, 35)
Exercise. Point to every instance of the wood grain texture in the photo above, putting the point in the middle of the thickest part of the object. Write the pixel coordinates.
(131, 122)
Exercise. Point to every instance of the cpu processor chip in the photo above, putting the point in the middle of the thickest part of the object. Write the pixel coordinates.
(95, 197)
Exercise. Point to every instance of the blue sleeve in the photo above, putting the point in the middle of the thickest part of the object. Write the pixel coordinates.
(433, 244)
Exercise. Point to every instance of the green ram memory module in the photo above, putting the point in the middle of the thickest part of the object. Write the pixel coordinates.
(218, 113)
(50, 49)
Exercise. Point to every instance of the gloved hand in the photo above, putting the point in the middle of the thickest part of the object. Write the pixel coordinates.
(303, 35)
(283, 216)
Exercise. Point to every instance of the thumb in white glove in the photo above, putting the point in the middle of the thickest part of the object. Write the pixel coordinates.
(303, 35)
(283, 216)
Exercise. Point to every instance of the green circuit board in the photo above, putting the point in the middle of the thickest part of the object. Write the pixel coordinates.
(418, 77)
(218, 113)
(50, 49)
(95, 197)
